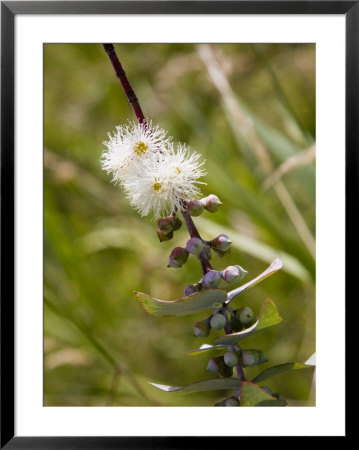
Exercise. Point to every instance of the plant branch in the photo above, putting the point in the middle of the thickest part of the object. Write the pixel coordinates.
(240, 373)
(121, 75)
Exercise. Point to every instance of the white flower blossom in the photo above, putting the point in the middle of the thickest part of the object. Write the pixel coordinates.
(130, 146)
(164, 180)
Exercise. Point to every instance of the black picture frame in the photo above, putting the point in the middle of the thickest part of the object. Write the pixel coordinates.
(9, 10)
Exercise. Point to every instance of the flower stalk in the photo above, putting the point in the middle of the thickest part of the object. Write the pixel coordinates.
(121, 75)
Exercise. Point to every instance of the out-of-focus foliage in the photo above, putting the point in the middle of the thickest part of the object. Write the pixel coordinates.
(100, 346)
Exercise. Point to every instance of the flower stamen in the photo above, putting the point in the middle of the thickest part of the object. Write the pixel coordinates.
(157, 186)
(140, 148)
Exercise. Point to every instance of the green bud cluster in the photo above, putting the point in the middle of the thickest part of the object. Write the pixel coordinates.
(241, 318)
(251, 357)
(166, 226)
(217, 321)
(222, 318)
(217, 365)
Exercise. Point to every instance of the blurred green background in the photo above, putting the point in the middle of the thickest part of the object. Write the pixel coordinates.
(250, 111)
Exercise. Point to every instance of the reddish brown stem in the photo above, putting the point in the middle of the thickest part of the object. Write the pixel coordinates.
(240, 373)
(121, 75)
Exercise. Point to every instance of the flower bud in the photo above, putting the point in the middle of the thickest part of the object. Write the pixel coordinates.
(178, 257)
(201, 329)
(231, 401)
(218, 321)
(211, 279)
(230, 273)
(242, 271)
(245, 315)
(221, 242)
(214, 365)
(165, 224)
(212, 203)
(172, 263)
(220, 253)
(217, 365)
(233, 273)
(226, 371)
(236, 325)
(164, 237)
(192, 289)
(177, 223)
(252, 357)
(194, 245)
(231, 359)
(195, 208)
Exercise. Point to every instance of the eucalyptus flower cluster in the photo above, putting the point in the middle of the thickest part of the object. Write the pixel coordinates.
(156, 174)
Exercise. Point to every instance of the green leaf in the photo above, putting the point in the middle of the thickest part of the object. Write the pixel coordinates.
(197, 302)
(275, 265)
(213, 384)
(213, 349)
(281, 368)
(268, 316)
(253, 395)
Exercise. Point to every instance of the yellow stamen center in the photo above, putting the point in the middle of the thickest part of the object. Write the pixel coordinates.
(157, 185)
(178, 170)
(140, 148)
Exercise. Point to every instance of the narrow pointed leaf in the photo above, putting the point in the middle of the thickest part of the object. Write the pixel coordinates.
(200, 301)
(268, 316)
(277, 370)
(214, 384)
(274, 267)
(253, 395)
(213, 349)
